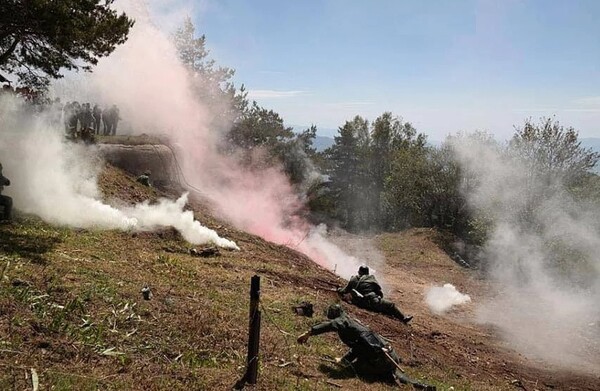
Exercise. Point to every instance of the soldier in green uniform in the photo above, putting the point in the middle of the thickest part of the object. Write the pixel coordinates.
(369, 354)
(366, 293)
(144, 179)
(5, 201)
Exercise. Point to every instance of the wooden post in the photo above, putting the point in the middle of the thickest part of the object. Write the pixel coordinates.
(254, 331)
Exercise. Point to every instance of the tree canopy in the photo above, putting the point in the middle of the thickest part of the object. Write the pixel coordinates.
(211, 83)
(40, 38)
(548, 148)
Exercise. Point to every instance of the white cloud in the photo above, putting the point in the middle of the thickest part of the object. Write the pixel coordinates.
(273, 94)
(351, 104)
(588, 102)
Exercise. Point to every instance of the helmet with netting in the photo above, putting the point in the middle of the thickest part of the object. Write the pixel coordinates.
(334, 311)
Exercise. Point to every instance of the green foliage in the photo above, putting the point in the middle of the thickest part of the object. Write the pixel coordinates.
(552, 151)
(260, 127)
(361, 166)
(211, 83)
(40, 38)
(348, 170)
(555, 163)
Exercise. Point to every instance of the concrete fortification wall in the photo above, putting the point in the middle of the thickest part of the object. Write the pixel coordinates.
(136, 159)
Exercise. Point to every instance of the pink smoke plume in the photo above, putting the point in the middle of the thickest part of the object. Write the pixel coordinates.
(155, 92)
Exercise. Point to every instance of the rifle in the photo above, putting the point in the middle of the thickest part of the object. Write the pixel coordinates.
(332, 284)
(401, 378)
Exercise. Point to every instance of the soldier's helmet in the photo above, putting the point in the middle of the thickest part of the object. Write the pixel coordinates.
(334, 311)
(363, 270)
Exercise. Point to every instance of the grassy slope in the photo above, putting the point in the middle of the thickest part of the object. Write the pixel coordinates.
(71, 308)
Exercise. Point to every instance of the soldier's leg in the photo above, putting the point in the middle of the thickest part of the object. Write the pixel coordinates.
(6, 203)
(389, 308)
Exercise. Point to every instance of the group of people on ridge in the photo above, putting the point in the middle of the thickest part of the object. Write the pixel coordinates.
(370, 354)
(82, 117)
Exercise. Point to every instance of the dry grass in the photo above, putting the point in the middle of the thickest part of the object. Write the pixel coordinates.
(71, 308)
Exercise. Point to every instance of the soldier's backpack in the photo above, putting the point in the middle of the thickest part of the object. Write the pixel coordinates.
(304, 309)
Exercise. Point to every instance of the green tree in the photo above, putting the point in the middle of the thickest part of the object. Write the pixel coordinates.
(351, 184)
(40, 38)
(298, 155)
(343, 158)
(260, 127)
(389, 136)
(554, 161)
(212, 84)
(549, 149)
(215, 81)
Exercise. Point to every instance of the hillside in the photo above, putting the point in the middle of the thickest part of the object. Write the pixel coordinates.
(71, 310)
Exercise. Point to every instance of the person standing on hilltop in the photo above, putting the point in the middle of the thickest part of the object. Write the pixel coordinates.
(106, 121)
(97, 114)
(366, 293)
(114, 119)
(5, 201)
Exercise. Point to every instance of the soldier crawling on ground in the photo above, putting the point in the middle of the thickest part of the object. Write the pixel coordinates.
(366, 293)
(5, 201)
(369, 355)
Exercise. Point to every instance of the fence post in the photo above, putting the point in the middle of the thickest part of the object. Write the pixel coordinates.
(254, 331)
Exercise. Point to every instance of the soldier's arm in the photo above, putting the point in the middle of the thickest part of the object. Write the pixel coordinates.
(324, 327)
(378, 290)
(351, 285)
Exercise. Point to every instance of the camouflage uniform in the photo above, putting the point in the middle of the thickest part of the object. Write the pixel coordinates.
(366, 293)
(5, 201)
(369, 354)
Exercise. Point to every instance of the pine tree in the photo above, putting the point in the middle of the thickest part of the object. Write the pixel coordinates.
(39, 39)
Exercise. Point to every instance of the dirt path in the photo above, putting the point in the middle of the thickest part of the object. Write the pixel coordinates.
(453, 345)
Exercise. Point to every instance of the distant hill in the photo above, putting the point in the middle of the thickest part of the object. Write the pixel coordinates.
(321, 143)
(324, 137)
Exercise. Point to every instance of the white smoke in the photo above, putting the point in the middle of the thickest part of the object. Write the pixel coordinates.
(441, 299)
(157, 94)
(57, 180)
(543, 257)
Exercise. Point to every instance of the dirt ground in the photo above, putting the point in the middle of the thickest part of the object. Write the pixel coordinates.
(409, 263)
(71, 311)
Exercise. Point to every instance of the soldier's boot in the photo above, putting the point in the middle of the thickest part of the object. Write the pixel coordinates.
(395, 312)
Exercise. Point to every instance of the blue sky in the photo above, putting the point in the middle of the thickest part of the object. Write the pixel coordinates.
(445, 66)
